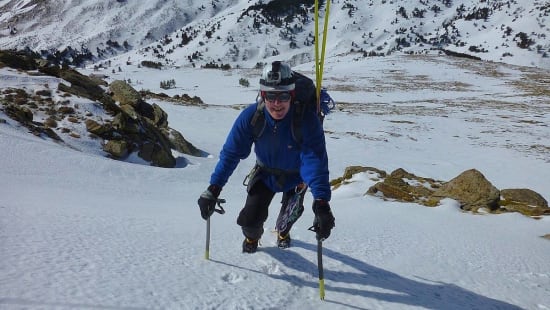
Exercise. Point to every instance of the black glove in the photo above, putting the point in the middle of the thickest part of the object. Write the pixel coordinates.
(324, 220)
(208, 199)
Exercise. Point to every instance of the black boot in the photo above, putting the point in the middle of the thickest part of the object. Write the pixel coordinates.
(283, 241)
(250, 246)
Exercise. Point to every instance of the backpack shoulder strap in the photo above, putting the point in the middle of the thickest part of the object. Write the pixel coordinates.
(305, 101)
(258, 120)
(297, 118)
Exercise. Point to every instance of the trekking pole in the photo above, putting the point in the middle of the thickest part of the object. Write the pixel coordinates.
(320, 264)
(220, 211)
(321, 271)
(207, 251)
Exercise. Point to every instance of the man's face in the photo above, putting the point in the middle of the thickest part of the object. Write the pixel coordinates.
(278, 104)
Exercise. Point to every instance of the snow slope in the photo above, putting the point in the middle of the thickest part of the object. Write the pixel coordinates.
(81, 231)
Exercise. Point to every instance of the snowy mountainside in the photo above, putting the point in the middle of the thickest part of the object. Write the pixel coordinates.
(96, 25)
(81, 231)
(247, 32)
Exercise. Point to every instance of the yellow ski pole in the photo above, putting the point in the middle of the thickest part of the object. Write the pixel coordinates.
(320, 54)
(317, 80)
(323, 48)
(319, 66)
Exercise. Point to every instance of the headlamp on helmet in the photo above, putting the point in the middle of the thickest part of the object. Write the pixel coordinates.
(277, 77)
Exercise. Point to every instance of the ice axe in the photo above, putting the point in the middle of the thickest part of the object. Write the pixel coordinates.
(219, 210)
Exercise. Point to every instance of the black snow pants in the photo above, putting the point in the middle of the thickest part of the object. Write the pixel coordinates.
(255, 211)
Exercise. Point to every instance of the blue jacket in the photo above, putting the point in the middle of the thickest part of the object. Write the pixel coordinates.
(277, 149)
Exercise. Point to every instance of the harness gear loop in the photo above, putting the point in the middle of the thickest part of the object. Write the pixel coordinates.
(279, 173)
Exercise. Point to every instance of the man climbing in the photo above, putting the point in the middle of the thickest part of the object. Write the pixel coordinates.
(284, 163)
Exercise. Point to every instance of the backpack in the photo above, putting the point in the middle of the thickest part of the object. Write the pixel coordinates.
(305, 102)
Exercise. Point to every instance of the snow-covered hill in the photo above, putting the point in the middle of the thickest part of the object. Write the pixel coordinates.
(247, 32)
(81, 231)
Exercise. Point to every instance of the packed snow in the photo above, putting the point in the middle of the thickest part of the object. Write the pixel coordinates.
(82, 231)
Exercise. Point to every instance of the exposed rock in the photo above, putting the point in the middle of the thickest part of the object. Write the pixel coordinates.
(44, 92)
(38, 130)
(393, 188)
(462, 55)
(50, 123)
(178, 143)
(146, 126)
(160, 118)
(472, 190)
(146, 151)
(81, 85)
(129, 111)
(185, 98)
(19, 113)
(122, 123)
(350, 171)
(117, 148)
(66, 110)
(524, 196)
(525, 201)
(156, 155)
(146, 110)
(136, 125)
(404, 186)
(124, 93)
(24, 116)
(73, 119)
(178, 99)
(109, 104)
(99, 79)
(98, 129)
(162, 157)
(17, 60)
(162, 153)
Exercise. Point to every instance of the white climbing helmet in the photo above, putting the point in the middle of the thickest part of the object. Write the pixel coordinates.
(277, 77)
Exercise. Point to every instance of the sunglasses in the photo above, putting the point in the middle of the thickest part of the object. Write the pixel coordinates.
(281, 96)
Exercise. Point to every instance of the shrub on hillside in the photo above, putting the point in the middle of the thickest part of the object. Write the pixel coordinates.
(151, 64)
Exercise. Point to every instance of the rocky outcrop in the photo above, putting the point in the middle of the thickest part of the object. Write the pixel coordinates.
(144, 128)
(117, 148)
(18, 106)
(405, 186)
(525, 201)
(471, 189)
(17, 60)
(178, 143)
(79, 84)
(135, 127)
(124, 94)
(523, 196)
(351, 170)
